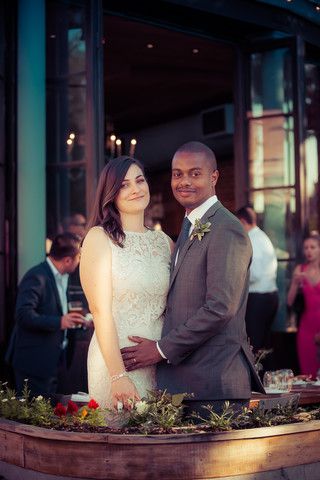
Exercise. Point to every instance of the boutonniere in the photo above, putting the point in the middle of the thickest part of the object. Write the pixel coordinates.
(200, 229)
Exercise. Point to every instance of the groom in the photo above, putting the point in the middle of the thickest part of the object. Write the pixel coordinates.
(204, 348)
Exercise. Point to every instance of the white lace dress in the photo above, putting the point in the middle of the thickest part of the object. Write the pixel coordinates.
(140, 277)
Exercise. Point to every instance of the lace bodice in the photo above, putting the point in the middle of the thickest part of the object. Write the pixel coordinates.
(140, 281)
(140, 275)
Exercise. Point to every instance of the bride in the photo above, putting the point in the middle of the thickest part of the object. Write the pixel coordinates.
(124, 271)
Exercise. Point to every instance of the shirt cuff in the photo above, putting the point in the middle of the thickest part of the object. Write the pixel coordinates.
(160, 351)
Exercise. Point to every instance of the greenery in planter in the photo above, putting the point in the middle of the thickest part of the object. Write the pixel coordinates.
(281, 415)
(255, 417)
(159, 413)
(259, 356)
(39, 411)
(36, 411)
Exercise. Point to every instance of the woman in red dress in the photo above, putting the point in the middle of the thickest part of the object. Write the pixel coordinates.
(307, 277)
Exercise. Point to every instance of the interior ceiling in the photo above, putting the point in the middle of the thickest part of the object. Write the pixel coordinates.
(147, 86)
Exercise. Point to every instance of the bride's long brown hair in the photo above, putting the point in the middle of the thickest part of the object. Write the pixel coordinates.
(105, 212)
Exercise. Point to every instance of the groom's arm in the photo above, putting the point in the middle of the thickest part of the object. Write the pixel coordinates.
(228, 258)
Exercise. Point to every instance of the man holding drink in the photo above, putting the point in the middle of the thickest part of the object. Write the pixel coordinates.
(39, 338)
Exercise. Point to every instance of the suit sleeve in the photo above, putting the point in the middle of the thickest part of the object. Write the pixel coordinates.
(228, 257)
(30, 306)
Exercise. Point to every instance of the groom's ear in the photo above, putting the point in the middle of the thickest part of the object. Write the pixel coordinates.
(214, 178)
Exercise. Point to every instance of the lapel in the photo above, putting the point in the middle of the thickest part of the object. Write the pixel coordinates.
(53, 284)
(209, 213)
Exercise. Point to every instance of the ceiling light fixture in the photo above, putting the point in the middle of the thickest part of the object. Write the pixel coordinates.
(149, 45)
(195, 50)
(119, 149)
(133, 144)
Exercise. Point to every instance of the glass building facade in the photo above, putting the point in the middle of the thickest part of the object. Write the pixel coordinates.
(121, 77)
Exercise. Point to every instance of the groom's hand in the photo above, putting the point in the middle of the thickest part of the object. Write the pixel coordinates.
(143, 354)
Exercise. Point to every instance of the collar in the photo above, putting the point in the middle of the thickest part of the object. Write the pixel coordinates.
(55, 271)
(198, 212)
(253, 230)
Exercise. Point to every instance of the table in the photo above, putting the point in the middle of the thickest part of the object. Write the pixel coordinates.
(308, 395)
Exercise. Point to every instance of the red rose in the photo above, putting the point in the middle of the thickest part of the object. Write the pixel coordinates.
(60, 410)
(93, 404)
(72, 407)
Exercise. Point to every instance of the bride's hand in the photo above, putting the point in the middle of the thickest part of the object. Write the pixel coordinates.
(124, 391)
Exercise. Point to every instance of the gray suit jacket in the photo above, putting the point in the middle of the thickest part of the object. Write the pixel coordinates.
(204, 336)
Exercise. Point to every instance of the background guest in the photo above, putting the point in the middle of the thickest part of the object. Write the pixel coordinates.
(263, 299)
(39, 340)
(306, 277)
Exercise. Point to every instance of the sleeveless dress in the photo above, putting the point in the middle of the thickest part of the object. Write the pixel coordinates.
(309, 326)
(140, 281)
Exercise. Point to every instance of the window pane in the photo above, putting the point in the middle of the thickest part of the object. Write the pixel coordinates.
(77, 117)
(2, 39)
(312, 179)
(76, 43)
(271, 152)
(2, 299)
(66, 112)
(66, 124)
(284, 276)
(271, 83)
(312, 104)
(2, 112)
(275, 210)
(2, 202)
(66, 193)
(312, 74)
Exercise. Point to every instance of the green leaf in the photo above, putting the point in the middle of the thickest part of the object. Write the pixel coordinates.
(177, 399)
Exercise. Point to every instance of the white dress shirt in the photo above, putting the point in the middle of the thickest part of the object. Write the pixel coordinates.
(263, 268)
(198, 213)
(194, 215)
(62, 285)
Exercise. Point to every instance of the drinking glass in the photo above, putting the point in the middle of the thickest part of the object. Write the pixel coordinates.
(278, 381)
(75, 306)
(288, 376)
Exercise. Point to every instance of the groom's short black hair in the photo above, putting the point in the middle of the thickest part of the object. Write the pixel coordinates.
(199, 147)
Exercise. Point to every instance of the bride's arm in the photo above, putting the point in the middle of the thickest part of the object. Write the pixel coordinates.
(96, 281)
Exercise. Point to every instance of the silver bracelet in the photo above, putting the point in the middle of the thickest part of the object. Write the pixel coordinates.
(114, 378)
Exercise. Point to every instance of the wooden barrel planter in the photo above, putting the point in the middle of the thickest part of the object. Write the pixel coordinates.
(29, 452)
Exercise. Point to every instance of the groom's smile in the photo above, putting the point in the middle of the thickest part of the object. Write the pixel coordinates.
(185, 193)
